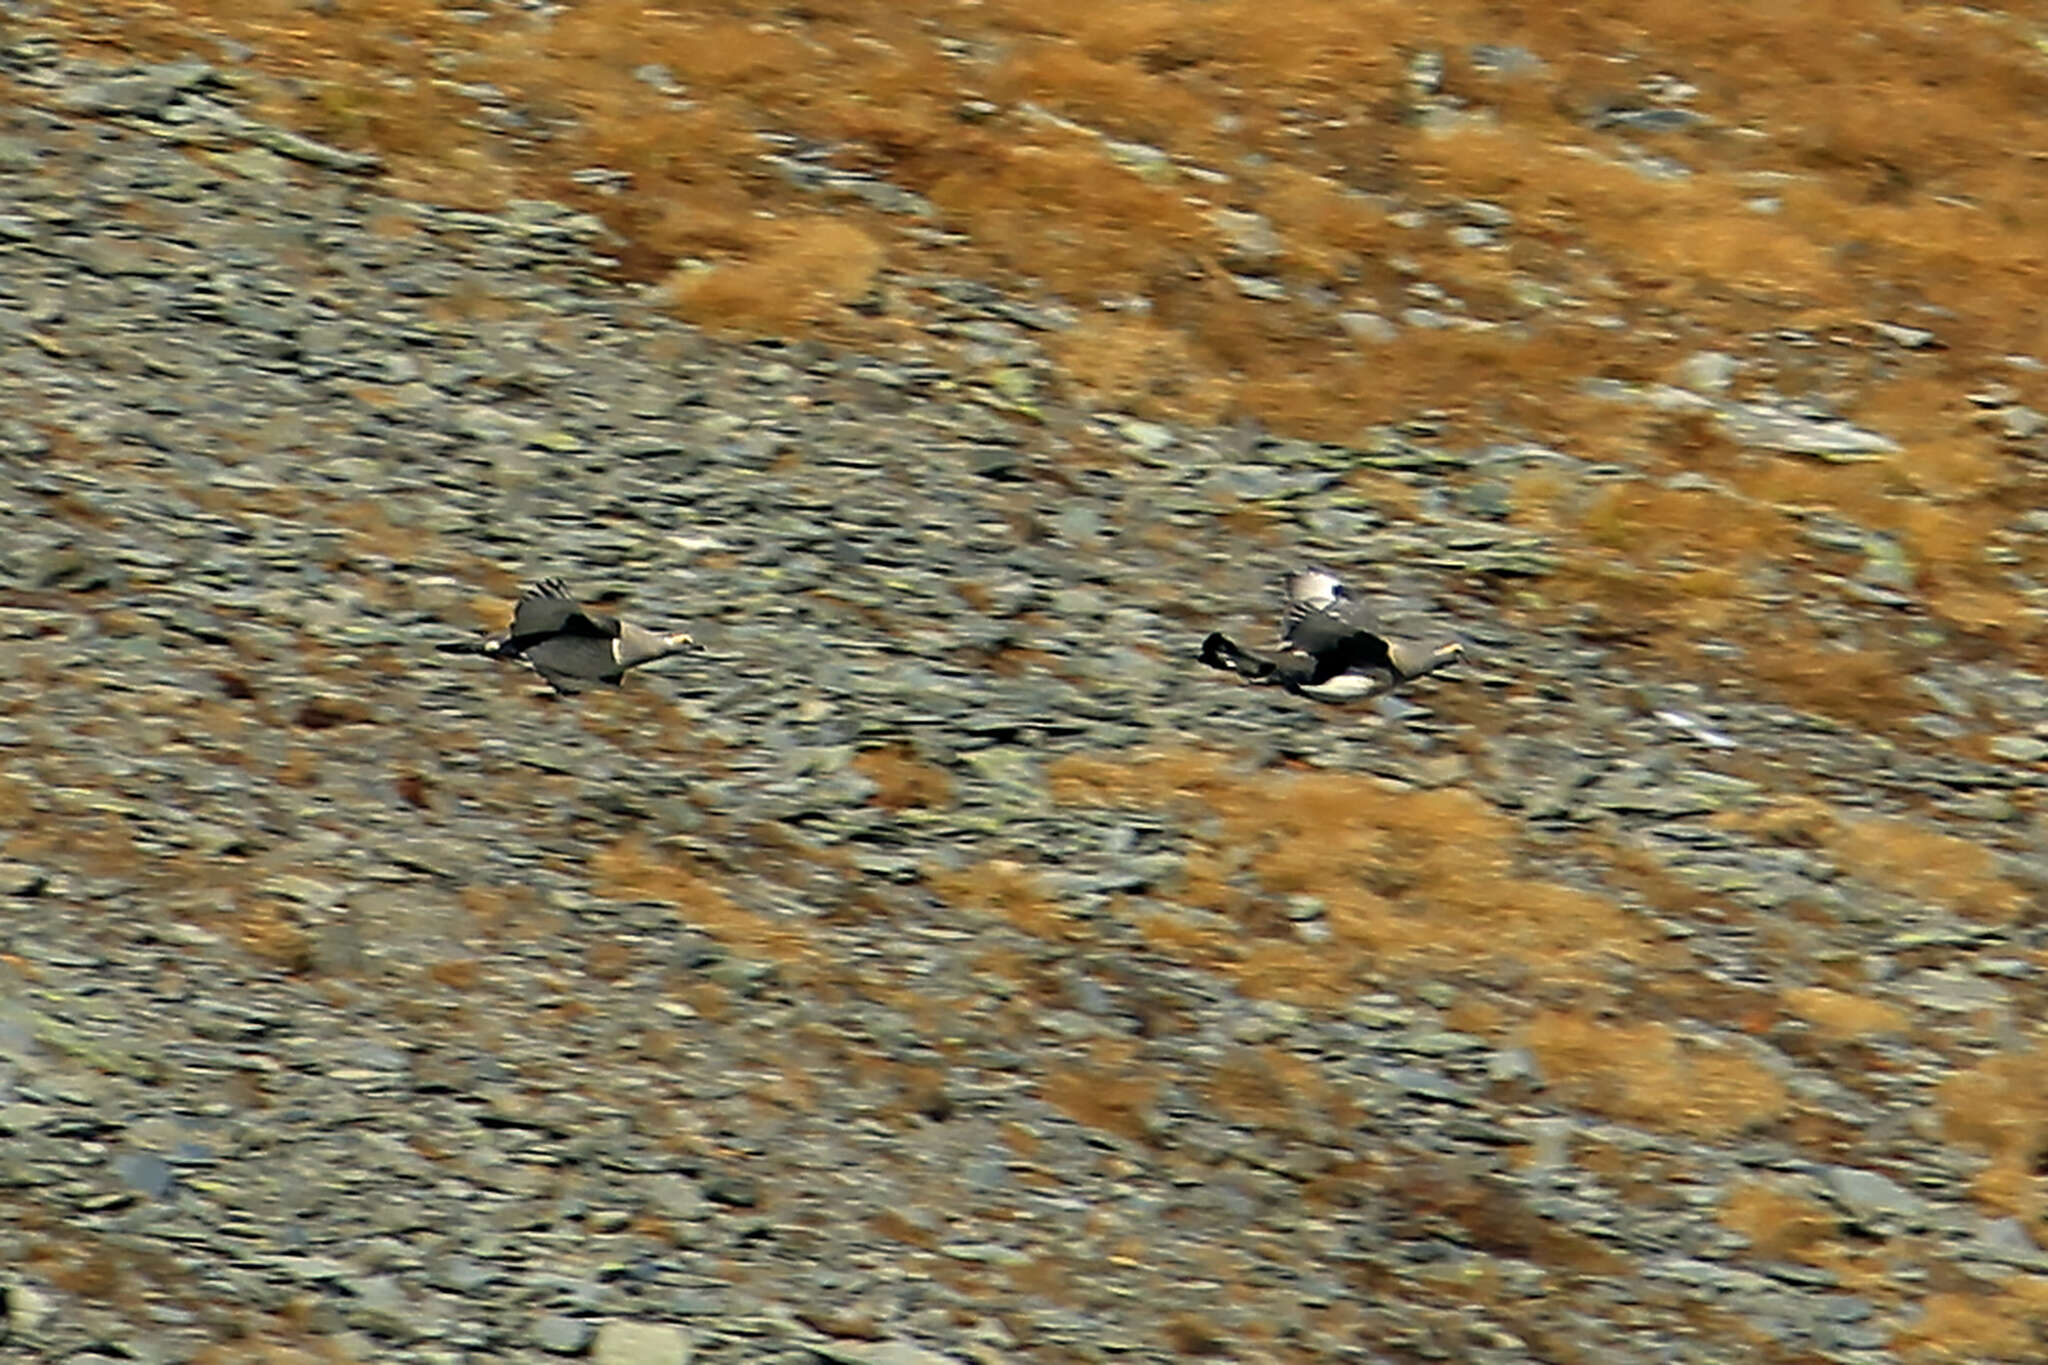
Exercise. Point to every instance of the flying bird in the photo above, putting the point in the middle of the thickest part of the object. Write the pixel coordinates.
(1328, 647)
(570, 645)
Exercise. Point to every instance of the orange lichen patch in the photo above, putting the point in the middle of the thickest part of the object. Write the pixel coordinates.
(1483, 1018)
(1495, 1217)
(1069, 216)
(803, 273)
(1291, 111)
(903, 781)
(1141, 367)
(637, 718)
(2000, 1107)
(1199, 945)
(1968, 465)
(1792, 822)
(1944, 537)
(1269, 1088)
(1673, 604)
(1839, 1016)
(1095, 1098)
(1648, 524)
(1964, 1327)
(1714, 249)
(101, 846)
(1644, 1072)
(84, 1263)
(1333, 232)
(1779, 1223)
(492, 908)
(2010, 1186)
(897, 1228)
(1183, 778)
(1908, 857)
(1679, 561)
(458, 974)
(1115, 97)
(1998, 613)
(630, 870)
(1408, 882)
(608, 959)
(1859, 686)
(1002, 887)
(268, 930)
(1635, 868)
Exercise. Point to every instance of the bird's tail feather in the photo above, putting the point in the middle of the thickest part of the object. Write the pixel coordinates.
(1220, 651)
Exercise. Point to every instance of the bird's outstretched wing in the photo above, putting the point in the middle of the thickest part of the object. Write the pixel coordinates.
(546, 609)
(1308, 591)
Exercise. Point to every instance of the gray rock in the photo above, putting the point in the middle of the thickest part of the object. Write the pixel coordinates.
(146, 1173)
(2006, 1241)
(2011, 748)
(28, 1308)
(1772, 428)
(1250, 245)
(1911, 338)
(1956, 991)
(1873, 1198)
(562, 1336)
(20, 879)
(1709, 372)
(1368, 328)
(880, 1353)
(1429, 1085)
(145, 92)
(641, 1343)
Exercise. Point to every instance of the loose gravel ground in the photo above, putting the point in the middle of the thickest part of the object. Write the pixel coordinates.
(943, 966)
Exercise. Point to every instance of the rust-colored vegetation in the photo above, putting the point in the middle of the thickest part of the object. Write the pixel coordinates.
(271, 933)
(1106, 135)
(1006, 889)
(1410, 885)
(1779, 1223)
(1098, 1098)
(1958, 1325)
(903, 781)
(630, 869)
(1908, 857)
(1493, 1215)
(1905, 857)
(806, 272)
(2000, 1107)
(1275, 1090)
(1094, 154)
(1837, 1016)
(1646, 1073)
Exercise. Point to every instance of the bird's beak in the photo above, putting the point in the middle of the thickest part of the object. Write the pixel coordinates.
(683, 644)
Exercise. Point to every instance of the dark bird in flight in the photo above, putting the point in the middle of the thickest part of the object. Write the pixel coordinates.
(570, 645)
(1328, 647)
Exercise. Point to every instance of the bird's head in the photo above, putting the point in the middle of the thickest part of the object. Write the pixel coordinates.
(680, 643)
(1412, 660)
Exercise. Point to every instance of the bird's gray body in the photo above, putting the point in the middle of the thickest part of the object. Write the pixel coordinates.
(1330, 647)
(569, 645)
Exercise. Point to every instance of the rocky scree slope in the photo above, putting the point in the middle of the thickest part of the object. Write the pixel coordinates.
(949, 969)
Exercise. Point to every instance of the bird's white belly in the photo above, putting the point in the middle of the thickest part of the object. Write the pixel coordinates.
(1347, 687)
